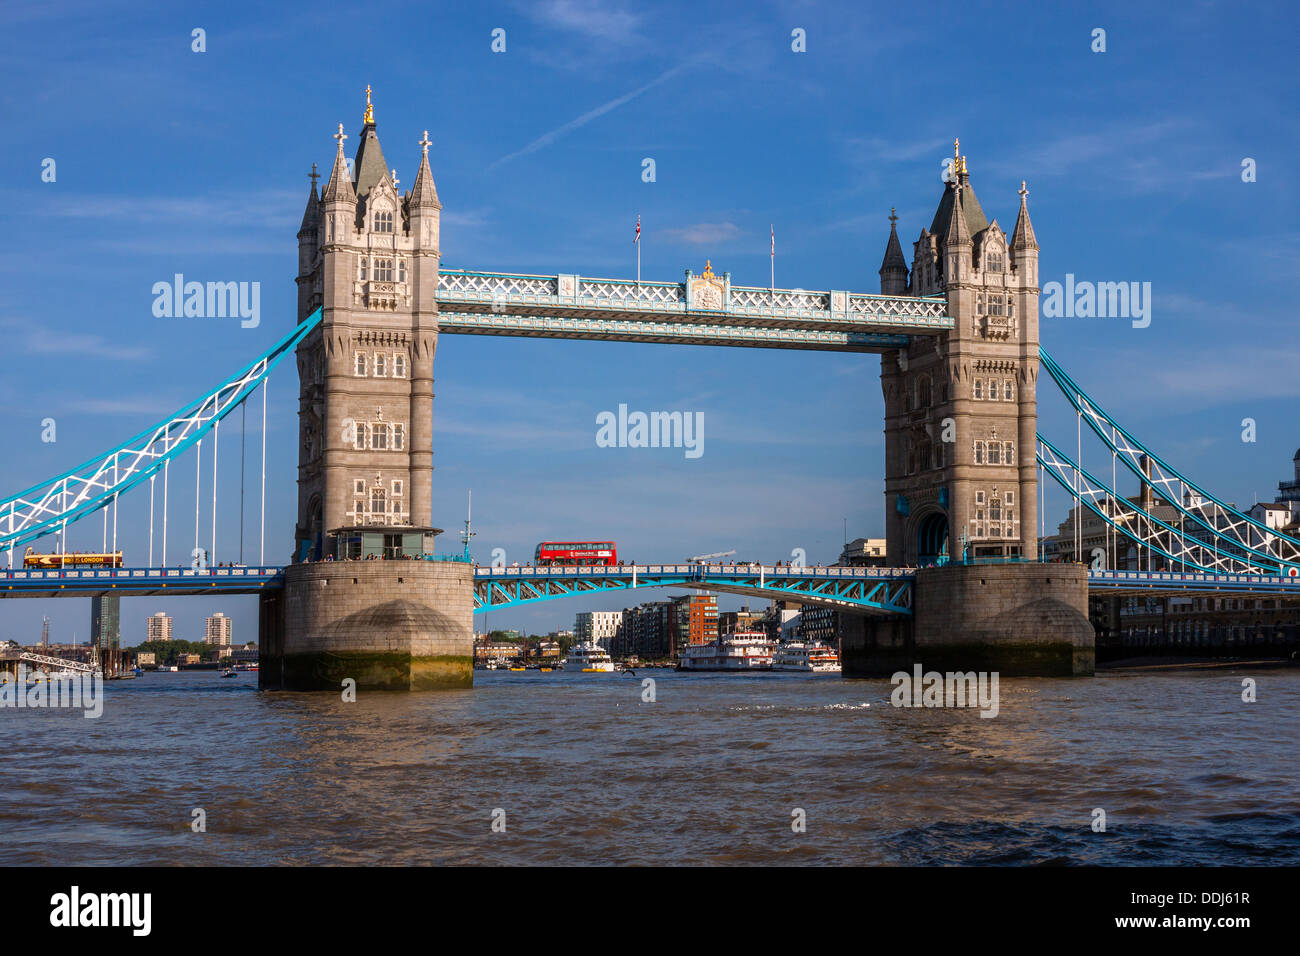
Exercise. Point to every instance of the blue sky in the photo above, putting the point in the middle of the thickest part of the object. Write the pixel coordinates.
(174, 161)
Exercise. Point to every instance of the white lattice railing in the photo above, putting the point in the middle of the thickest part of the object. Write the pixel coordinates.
(508, 293)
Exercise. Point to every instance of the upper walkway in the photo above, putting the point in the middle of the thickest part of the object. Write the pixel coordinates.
(701, 310)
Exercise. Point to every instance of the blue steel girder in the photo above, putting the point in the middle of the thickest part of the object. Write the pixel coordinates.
(873, 591)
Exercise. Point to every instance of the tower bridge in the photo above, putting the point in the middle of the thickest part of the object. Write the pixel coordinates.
(957, 331)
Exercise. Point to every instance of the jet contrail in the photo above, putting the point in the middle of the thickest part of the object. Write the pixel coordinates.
(547, 138)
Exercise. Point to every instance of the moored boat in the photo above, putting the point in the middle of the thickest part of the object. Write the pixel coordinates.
(738, 651)
(588, 659)
(811, 657)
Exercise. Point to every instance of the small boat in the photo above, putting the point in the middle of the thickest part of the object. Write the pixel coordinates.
(229, 672)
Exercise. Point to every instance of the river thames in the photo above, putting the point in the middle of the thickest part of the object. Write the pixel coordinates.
(712, 771)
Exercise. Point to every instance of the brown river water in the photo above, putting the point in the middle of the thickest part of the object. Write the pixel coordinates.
(713, 771)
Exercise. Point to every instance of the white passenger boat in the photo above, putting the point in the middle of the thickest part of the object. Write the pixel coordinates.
(588, 659)
(811, 657)
(738, 651)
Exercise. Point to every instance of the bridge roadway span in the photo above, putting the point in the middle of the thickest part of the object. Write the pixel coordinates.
(875, 591)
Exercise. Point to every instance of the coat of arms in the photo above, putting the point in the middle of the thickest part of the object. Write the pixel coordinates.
(707, 290)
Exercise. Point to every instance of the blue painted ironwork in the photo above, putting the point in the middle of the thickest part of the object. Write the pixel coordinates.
(92, 485)
(1124, 516)
(1139, 582)
(1233, 528)
(87, 582)
(878, 591)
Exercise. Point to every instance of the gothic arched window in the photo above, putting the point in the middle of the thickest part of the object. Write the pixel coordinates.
(383, 270)
(383, 221)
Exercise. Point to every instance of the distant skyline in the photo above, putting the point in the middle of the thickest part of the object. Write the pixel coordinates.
(173, 161)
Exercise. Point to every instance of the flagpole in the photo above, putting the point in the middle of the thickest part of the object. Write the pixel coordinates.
(773, 228)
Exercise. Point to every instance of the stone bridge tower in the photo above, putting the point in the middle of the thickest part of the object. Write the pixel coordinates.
(960, 408)
(961, 420)
(368, 258)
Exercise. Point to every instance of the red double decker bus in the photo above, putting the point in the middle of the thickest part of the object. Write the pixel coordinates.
(597, 553)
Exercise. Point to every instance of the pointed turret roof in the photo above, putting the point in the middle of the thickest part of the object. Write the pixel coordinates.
(311, 215)
(1023, 235)
(370, 164)
(340, 184)
(894, 260)
(957, 231)
(424, 193)
(958, 192)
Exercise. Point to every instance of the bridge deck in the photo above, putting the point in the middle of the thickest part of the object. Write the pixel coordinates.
(136, 582)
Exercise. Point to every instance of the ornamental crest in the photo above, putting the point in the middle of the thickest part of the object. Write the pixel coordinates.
(707, 290)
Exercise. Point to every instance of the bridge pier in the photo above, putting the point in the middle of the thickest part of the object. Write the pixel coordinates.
(1021, 620)
(388, 625)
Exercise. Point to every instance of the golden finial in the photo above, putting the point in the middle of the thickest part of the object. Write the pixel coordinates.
(956, 148)
(370, 110)
(708, 270)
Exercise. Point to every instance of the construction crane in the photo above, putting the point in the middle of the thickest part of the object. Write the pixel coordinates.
(699, 558)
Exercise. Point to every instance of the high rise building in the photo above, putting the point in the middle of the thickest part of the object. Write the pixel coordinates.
(159, 627)
(217, 630)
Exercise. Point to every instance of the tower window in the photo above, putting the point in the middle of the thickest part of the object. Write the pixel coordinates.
(1009, 453)
(379, 437)
(979, 453)
(397, 487)
(381, 364)
(364, 266)
(361, 438)
(994, 263)
(361, 363)
(1011, 498)
(399, 437)
(995, 453)
(401, 270)
(383, 221)
(384, 270)
(399, 365)
(979, 388)
(359, 486)
(1008, 392)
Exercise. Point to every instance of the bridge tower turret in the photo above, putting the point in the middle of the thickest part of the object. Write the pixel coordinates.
(960, 408)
